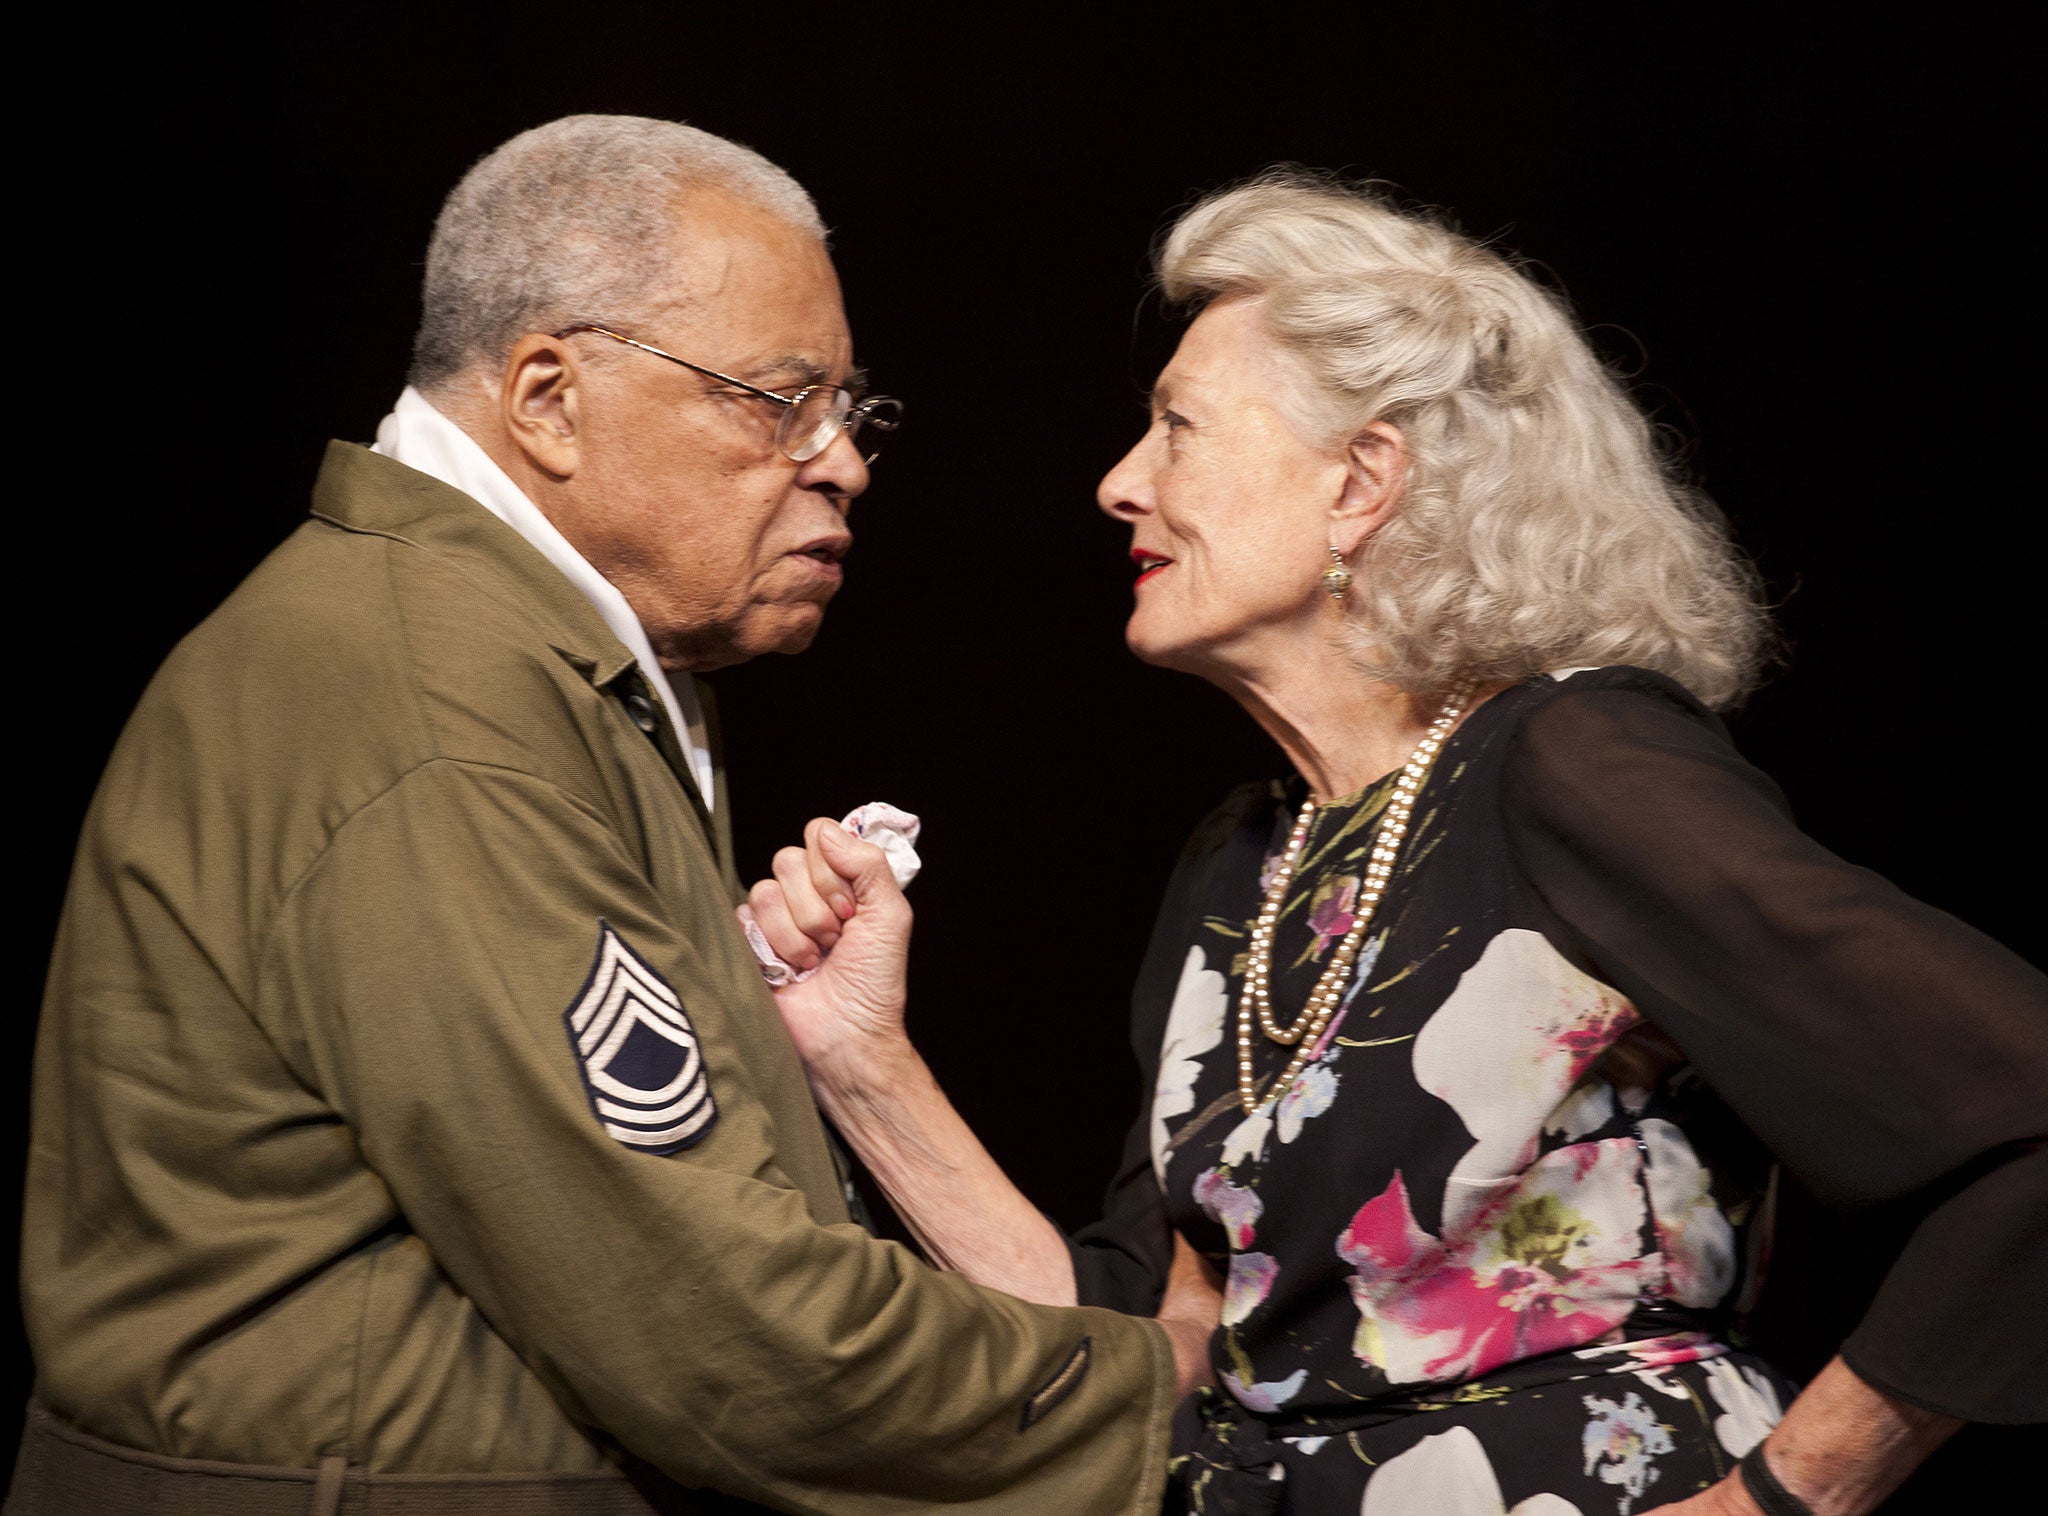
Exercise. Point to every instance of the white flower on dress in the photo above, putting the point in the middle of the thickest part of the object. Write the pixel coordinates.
(1448, 1474)
(1748, 1402)
(1620, 1441)
(1504, 1050)
(1585, 1110)
(1654, 1378)
(1267, 1396)
(1250, 1282)
(1247, 1140)
(1193, 1027)
(1309, 1095)
(1697, 1242)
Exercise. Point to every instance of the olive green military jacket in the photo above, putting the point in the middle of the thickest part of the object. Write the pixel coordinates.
(322, 1162)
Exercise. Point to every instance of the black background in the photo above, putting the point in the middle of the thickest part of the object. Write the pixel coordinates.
(1795, 235)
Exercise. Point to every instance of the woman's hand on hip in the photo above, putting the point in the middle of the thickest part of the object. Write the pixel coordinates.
(833, 906)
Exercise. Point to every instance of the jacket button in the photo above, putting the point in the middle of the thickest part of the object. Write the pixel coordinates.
(642, 711)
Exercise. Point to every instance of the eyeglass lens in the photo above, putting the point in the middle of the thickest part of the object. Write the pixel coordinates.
(811, 425)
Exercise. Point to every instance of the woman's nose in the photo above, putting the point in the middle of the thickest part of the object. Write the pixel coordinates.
(1125, 492)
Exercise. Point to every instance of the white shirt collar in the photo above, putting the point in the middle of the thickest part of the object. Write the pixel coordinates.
(420, 437)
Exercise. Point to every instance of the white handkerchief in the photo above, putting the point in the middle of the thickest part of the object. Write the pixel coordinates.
(893, 831)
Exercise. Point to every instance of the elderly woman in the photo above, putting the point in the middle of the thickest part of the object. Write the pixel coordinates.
(1471, 1044)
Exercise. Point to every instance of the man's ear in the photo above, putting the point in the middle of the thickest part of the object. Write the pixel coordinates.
(539, 403)
(1375, 474)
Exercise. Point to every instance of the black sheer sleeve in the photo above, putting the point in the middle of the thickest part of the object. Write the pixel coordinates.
(1879, 1047)
(1121, 1261)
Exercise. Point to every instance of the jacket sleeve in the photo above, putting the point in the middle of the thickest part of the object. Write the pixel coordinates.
(686, 1303)
(1882, 1050)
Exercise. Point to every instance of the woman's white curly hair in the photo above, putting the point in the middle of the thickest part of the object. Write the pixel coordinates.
(1539, 528)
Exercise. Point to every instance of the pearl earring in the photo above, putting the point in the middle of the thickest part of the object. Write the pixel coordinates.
(1337, 577)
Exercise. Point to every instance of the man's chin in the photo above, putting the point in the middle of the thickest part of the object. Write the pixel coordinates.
(786, 629)
(801, 637)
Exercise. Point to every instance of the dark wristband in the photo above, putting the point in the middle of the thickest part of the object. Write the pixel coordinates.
(1764, 1489)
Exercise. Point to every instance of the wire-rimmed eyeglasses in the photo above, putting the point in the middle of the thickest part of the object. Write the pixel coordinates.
(811, 418)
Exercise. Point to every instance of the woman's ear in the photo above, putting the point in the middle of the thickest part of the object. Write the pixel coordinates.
(1375, 473)
(539, 403)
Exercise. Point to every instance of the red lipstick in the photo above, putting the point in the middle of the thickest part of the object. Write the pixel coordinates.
(1148, 564)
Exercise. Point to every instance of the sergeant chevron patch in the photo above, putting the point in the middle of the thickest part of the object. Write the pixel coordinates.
(638, 1052)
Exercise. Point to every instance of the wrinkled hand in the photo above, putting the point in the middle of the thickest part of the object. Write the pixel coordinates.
(833, 905)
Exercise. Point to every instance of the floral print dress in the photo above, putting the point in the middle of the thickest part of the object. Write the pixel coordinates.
(1490, 1251)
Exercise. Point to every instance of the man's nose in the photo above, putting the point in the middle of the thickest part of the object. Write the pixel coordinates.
(839, 471)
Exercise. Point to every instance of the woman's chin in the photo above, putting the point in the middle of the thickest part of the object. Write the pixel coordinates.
(1160, 650)
(1141, 639)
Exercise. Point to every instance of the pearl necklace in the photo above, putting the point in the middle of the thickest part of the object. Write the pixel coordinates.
(1256, 1001)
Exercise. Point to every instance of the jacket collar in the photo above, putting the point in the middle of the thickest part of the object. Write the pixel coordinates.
(421, 436)
(362, 491)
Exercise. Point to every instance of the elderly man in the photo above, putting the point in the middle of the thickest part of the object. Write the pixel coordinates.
(412, 1128)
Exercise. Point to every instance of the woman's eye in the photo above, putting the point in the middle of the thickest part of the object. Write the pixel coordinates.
(1173, 421)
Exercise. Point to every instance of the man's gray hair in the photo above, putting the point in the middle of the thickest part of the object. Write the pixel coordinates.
(573, 221)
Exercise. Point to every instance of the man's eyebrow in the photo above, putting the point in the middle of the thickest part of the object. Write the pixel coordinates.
(789, 368)
(1160, 395)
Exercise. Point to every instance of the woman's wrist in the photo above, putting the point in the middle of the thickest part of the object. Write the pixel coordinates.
(1762, 1485)
(1845, 1445)
(866, 1067)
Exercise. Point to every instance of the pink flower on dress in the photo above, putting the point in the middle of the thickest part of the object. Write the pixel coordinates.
(1330, 912)
(1231, 1206)
(1383, 1239)
(1551, 1263)
(1535, 1251)
(1648, 1354)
